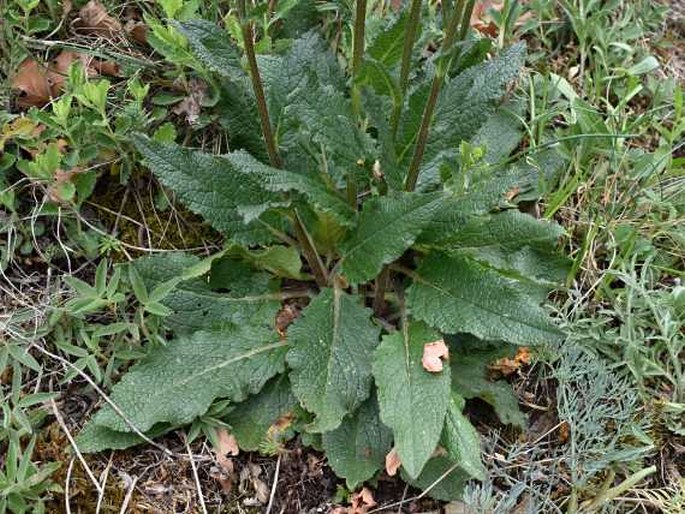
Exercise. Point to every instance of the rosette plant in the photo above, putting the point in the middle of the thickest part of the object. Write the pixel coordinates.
(377, 255)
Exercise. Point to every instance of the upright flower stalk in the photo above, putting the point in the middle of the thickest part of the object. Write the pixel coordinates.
(460, 18)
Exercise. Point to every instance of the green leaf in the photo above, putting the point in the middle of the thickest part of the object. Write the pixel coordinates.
(197, 369)
(94, 438)
(388, 44)
(457, 294)
(513, 242)
(330, 357)
(227, 196)
(249, 299)
(445, 477)
(282, 261)
(470, 377)
(251, 419)
(327, 125)
(387, 227)
(356, 450)
(378, 76)
(212, 46)
(461, 440)
(316, 191)
(466, 103)
(413, 401)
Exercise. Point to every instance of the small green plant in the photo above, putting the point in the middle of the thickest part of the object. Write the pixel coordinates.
(382, 239)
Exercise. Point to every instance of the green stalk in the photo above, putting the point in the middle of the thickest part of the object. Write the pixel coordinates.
(438, 78)
(271, 148)
(358, 50)
(409, 40)
(305, 241)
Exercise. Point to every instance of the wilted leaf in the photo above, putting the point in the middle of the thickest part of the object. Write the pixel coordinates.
(433, 353)
(392, 462)
(94, 19)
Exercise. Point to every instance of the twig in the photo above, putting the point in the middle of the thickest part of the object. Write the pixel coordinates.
(103, 478)
(273, 486)
(198, 486)
(416, 498)
(106, 398)
(65, 429)
(66, 486)
(129, 495)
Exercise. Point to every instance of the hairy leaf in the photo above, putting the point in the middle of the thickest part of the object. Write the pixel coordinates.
(470, 377)
(212, 46)
(413, 402)
(94, 438)
(248, 297)
(458, 294)
(388, 43)
(356, 449)
(199, 368)
(224, 194)
(387, 227)
(330, 357)
(251, 419)
(445, 477)
(461, 439)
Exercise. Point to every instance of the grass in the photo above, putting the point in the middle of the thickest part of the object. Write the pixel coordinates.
(606, 409)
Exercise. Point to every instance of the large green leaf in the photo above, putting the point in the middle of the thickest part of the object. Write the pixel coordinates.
(330, 357)
(470, 376)
(356, 450)
(247, 298)
(251, 419)
(455, 293)
(465, 104)
(94, 438)
(326, 125)
(443, 475)
(229, 197)
(178, 382)
(387, 227)
(320, 194)
(212, 46)
(461, 439)
(237, 113)
(413, 401)
(513, 242)
(388, 43)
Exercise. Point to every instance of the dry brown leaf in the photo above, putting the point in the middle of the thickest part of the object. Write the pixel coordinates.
(433, 355)
(136, 30)
(392, 462)
(285, 317)
(482, 21)
(361, 502)
(33, 84)
(38, 83)
(507, 366)
(94, 19)
(191, 105)
(226, 444)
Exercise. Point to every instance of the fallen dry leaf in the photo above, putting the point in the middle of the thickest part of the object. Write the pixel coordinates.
(285, 317)
(392, 462)
(94, 19)
(507, 366)
(191, 105)
(136, 30)
(361, 502)
(482, 20)
(433, 354)
(38, 83)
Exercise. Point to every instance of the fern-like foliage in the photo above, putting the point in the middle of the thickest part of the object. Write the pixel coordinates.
(377, 270)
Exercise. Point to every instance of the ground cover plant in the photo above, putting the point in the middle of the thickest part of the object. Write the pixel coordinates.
(383, 207)
(405, 240)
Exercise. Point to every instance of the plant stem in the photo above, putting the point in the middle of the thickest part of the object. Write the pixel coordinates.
(409, 40)
(309, 250)
(358, 50)
(440, 73)
(382, 282)
(270, 140)
(305, 242)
